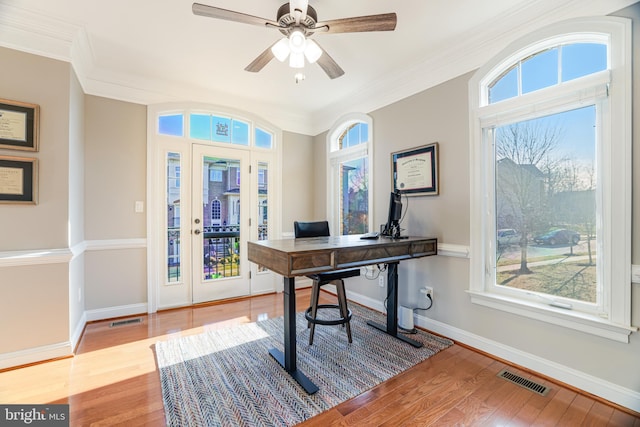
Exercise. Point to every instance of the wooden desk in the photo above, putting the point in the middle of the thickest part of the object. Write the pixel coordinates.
(300, 257)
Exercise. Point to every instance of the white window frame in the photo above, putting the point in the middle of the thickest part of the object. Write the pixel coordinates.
(614, 166)
(336, 156)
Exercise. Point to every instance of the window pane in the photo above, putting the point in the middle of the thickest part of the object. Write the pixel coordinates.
(355, 135)
(170, 125)
(540, 71)
(221, 129)
(354, 196)
(545, 205)
(505, 87)
(263, 139)
(240, 133)
(200, 126)
(581, 59)
(173, 218)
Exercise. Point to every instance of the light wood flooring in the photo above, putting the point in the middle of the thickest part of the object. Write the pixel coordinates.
(112, 380)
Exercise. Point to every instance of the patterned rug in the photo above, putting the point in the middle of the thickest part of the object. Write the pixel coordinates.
(227, 378)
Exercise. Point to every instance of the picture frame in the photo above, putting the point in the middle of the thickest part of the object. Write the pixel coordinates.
(19, 125)
(18, 180)
(414, 172)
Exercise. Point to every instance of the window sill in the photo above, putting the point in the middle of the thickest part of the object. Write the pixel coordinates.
(557, 316)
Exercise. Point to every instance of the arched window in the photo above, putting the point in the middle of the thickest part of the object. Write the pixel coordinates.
(550, 146)
(349, 185)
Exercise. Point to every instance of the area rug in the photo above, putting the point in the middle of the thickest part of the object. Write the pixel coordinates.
(226, 377)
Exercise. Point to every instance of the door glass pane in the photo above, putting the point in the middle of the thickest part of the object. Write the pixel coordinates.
(240, 133)
(354, 196)
(173, 218)
(200, 126)
(221, 217)
(170, 124)
(263, 139)
(221, 129)
(546, 205)
(263, 204)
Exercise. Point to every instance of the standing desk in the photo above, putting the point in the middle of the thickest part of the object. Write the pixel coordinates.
(304, 256)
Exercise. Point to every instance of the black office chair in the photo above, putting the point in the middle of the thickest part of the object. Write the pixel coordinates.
(319, 229)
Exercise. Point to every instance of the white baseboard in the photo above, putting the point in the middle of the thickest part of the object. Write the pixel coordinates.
(588, 383)
(113, 312)
(76, 334)
(36, 354)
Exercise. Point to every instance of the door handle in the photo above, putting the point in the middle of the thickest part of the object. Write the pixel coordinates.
(196, 231)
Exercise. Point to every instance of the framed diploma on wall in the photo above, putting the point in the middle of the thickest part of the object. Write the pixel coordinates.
(415, 171)
(18, 180)
(19, 125)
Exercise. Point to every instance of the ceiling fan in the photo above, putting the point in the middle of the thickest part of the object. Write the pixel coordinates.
(297, 21)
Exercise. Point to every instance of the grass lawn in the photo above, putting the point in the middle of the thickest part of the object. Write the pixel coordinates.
(576, 280)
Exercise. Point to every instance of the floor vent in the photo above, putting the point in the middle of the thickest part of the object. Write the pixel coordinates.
(125, 322)
(523, 382)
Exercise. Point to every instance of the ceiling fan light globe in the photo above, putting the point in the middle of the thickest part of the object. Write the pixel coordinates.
(281, 49)
(296, 60)
(312, 52)
(297, 41)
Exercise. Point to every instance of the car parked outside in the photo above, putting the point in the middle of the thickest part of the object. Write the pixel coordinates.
(558, 236)
(508, 237)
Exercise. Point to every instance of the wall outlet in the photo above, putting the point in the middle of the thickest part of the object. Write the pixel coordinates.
(427, 291)
(381, 281)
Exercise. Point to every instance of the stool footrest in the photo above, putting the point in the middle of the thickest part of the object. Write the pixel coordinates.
(340, 321)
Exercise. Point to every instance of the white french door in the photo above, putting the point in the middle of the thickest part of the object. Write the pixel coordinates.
(221, 196)
(213, 187)
(216, 200)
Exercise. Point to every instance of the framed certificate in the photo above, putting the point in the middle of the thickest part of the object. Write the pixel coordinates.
(19, 123)
(18, 180)
(415, 171)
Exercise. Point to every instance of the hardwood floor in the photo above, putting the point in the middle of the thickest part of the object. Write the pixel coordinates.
(112, 380)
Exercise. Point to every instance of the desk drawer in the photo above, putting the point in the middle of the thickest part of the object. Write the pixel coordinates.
(424, 248)
(348, 258)
(316, 262)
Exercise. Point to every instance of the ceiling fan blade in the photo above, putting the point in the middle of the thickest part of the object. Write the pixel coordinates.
(329, 66)
(262, 60)
(230, 15)
(357, 24)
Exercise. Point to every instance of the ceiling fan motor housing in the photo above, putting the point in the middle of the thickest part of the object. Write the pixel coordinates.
(287, 21)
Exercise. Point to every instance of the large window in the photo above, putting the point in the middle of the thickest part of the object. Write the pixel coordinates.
(551, 186)
(349, 183)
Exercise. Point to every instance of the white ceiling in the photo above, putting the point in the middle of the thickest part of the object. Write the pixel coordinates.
(150, 51)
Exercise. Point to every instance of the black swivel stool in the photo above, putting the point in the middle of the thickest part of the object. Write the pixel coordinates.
(320, 229)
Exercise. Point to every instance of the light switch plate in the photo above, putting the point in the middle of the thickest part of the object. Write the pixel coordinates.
(139, 206)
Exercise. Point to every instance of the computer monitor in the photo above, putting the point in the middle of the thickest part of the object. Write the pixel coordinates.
(392, 227)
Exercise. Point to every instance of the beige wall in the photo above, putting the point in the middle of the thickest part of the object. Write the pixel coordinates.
(42, 81)
(116, 172)
(298, 170)
(116, 159)
(633, 12)
(34, 299)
